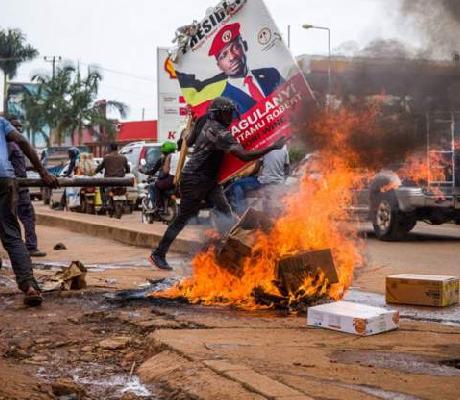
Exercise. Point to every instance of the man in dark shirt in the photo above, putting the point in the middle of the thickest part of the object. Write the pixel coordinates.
(114, 164)
(211, 140)
(26, 211)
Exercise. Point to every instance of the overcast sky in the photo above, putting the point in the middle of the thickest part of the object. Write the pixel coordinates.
(121, 36)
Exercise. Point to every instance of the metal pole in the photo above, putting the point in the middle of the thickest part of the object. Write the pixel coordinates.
(329, 69)
(289, 36)
(53, 60)
(80, 182)
(329, 66)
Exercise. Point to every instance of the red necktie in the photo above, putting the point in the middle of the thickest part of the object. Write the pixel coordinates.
(255, 92)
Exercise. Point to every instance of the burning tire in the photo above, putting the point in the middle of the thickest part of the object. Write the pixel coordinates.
(389, 222)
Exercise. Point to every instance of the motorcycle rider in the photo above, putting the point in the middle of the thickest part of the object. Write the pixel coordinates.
(165, 179)
(199, 180)
(115, 165)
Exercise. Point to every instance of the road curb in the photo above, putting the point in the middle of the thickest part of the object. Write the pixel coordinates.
(109, 229)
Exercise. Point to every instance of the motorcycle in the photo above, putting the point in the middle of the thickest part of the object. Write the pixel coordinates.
(116, 201)
(149, 209)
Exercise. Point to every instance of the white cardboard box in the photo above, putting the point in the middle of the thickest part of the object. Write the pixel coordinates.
(359, 319)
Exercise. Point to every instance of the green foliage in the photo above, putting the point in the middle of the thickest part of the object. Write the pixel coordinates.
(14, 50)
(67, 104)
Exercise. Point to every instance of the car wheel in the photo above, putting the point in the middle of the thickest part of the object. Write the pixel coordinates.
(389, 222)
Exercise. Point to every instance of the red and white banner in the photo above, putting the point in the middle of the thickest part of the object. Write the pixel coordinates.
(238, 52)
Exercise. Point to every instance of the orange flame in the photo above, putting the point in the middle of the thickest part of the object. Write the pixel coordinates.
(315, 217)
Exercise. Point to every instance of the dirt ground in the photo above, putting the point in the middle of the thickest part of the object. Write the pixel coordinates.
(89, 345)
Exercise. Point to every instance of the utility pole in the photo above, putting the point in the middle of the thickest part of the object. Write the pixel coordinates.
(143, 113)
(52, 60)
(289, 36)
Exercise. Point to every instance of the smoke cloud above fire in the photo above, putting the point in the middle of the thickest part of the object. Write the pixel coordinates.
(437, 22)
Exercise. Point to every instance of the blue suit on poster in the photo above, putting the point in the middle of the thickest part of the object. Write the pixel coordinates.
(268, 79)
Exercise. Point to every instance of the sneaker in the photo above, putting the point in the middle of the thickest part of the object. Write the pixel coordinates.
(37, 253)
(159, 262)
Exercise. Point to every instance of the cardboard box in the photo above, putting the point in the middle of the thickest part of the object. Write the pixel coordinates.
(293, 269)
(359, 319)
(423, 290)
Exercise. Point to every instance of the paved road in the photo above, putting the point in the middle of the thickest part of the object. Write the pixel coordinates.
(427, 249)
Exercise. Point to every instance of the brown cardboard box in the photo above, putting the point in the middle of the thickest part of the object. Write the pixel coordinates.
(293, 269)
(424, 290)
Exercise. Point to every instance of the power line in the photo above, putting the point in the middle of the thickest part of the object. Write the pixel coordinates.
(114, 71)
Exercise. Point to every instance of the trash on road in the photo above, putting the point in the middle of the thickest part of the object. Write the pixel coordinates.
(72, 277)
(423, 290)
(359, 319)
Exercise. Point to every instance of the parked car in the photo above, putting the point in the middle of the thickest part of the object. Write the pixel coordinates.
(136, 152)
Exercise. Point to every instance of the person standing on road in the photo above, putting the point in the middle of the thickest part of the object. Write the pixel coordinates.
(26, 212)
(10, 232)
(199, 180)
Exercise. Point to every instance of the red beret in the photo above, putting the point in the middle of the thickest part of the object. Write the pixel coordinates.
(225, 35)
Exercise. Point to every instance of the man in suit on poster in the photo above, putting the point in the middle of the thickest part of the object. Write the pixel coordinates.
(244, 86)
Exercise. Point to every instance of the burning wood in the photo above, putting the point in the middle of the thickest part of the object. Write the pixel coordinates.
(240, 241)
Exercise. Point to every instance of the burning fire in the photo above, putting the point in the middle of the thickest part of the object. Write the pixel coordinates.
(314, 218)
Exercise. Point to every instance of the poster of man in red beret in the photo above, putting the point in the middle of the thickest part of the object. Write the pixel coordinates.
(238, 52)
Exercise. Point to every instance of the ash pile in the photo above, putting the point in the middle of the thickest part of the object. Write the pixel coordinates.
(301, 279)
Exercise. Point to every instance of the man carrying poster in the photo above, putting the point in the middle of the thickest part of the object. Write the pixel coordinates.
(211, 140)
(237, 52)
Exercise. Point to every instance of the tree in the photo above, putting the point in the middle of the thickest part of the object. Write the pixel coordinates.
(13, 52)
(68, 104)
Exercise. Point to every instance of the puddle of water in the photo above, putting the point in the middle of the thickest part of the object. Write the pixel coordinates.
(444, 315)
(102, 384)
(117, 384)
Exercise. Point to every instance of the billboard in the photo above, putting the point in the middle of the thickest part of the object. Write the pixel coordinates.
(237, 51)
(172, 108)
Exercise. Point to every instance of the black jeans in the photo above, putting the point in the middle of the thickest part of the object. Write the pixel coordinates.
(26, 215)
(192, 193)
(10, 236)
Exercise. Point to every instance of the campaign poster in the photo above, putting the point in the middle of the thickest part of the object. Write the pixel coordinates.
(237, 51)
(172, 109)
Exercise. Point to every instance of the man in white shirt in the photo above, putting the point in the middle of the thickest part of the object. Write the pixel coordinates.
(273, 171)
